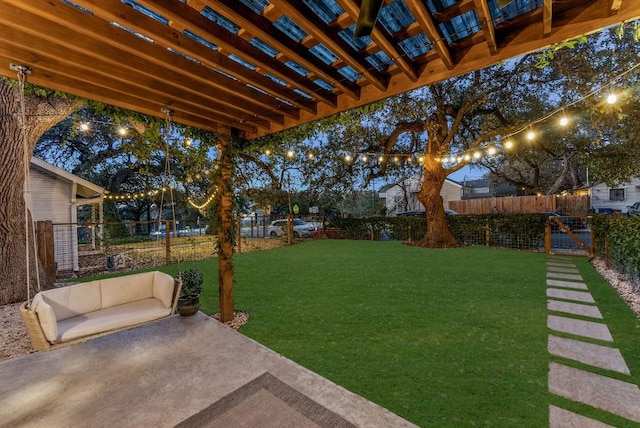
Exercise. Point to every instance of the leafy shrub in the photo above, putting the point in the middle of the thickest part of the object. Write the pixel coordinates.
(622, 237)
(192, 280)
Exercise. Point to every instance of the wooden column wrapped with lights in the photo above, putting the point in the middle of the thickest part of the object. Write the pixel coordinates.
(225, 225)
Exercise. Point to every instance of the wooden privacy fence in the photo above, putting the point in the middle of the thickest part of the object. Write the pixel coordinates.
(565, 204)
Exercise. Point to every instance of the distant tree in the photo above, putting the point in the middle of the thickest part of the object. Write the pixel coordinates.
(599, 136)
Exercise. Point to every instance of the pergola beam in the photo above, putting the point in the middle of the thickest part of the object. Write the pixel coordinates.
(423, 16)
(132, 51)
(24, 49)
(322, 33)
(184, 16)
(119, 12)
(547, 16)
(484, 15)
(241, 15)
(382, 39)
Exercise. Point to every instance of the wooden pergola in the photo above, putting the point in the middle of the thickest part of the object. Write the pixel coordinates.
(254, 67)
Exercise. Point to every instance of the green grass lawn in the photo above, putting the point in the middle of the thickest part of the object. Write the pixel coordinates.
(453, 337)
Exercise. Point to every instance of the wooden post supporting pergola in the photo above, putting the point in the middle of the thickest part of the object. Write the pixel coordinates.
(225, 224)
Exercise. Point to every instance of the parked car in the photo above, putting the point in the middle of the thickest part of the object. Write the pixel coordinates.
(422, 213)
(572, 222)
(634, 209)
(301, 229)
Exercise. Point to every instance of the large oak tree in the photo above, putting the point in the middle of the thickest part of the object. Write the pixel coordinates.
(17, 140)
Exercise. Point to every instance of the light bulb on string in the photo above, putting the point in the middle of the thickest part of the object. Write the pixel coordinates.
(421, 159)
(188, 142)
(531, 135)
(491, 151)
(467, 157)
(508, 144)
(290, 154)
(365, 158)
(612, 98)
(380, 158)
(267, 152)
(122, 131)
(84, 127)
(347, 158)
(564, 120)
(310, 155)
(477, 155)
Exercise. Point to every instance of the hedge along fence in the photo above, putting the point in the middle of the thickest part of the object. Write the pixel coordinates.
(521, 231)
(617, 240)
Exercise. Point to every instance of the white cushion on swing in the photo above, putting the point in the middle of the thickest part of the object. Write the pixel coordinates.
(113, 318)
(46, 317)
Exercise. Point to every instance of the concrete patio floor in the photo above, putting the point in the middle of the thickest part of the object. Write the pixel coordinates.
(159, 375)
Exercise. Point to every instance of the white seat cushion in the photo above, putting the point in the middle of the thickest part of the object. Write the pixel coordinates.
(73, 300)
(111, 319)
(125, 289)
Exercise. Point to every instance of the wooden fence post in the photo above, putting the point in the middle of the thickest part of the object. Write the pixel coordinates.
(487, 234)
(44, 239)
(547, 237)
(167, 241)
(239, 234)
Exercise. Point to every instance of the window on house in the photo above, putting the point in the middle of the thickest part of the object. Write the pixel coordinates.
(616, 194)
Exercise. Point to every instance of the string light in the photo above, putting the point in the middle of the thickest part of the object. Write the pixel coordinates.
(365, 158)
(205, 204)
(531, 135)
(508, 144)
(84, 127)
(491, 151)
(122, 131)
(612, 98)
(347, 158)
(188, 142)
(310, 155)
(564, 121)
(290, 154)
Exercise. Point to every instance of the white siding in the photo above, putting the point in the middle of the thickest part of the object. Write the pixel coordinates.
(451, 191)
(51, 200)
(600, 196)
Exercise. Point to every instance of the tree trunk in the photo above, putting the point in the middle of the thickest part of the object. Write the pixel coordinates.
(438, 234)
(42, 114)
(225, 228)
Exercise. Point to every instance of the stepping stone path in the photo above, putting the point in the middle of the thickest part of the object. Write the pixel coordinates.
(567, 310)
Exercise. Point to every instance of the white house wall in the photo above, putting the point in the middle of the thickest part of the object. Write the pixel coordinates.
(600, 196)
(451, 191)
(51, 201)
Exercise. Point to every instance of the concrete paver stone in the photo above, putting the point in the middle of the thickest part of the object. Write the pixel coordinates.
(560, 264)
(604, 357)
(564, 276)
(614, 396)
(574, 308)
(562, 269)
(594, 330)
(561, 418)
(566, 284)
(578, 296)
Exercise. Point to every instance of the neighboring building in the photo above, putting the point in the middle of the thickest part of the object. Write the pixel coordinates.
(404, 195)
(604, 198)
(56, 195)
(474, 189)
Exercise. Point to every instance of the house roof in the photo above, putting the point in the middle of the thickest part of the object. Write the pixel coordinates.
(261, 66)
(85, 189)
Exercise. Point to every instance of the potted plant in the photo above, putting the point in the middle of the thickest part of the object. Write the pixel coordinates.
(189, 300)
